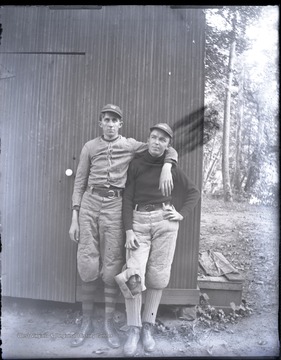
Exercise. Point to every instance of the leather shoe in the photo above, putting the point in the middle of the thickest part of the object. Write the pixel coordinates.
(85, 329)
(147, 339)
(111, 333)
(130, 347)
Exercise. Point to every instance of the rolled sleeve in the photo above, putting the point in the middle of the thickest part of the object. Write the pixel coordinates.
(171, 155)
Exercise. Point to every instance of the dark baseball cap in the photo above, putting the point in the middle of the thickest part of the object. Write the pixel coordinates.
(164, 127)
(112, 108)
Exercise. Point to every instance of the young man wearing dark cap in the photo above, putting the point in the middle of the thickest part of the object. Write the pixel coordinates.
(151, 223)
(97, 224)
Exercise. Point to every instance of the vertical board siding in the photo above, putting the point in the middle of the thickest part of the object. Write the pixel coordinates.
(38, 258)
(147, 59)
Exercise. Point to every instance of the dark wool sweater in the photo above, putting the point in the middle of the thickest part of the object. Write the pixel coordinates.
(142, 187)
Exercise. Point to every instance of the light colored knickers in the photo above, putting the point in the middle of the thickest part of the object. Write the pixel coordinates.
(101, 249)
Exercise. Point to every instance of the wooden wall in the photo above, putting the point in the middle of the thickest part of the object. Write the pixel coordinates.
(58, 67)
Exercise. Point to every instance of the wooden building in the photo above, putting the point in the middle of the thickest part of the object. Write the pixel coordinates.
(59, 66)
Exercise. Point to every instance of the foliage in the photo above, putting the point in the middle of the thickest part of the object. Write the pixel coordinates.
(217, 319)
(253, 147)
(208, 318)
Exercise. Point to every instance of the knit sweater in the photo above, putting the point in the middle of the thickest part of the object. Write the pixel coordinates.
(142, 187)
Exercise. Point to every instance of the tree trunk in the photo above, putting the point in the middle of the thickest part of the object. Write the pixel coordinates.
(237, 172)
(255, 163)
(226, 127)
(253, 172)
(211, 168)
(207, 160)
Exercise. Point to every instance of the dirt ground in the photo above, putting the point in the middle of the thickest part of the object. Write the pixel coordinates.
(248, 236)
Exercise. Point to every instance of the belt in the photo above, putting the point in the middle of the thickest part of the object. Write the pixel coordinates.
(150, 207)
(108, 193)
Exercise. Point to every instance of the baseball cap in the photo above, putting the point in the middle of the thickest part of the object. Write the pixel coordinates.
(164, 127)
(112, 108)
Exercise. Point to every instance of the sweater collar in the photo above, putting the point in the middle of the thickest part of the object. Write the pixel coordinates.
(118, 137)
(153, 159)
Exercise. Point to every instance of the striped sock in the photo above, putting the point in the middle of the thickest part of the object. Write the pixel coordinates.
(110, 297)
(133, 310)
(152, 301)
(87, 297)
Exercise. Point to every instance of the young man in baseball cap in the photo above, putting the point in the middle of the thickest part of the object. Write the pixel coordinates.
(97, 225)
(151, 223)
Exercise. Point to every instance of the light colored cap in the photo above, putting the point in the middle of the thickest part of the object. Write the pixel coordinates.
(164, 127)
(112, 108)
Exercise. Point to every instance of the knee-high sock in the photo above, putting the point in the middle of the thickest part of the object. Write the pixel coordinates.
(88, 290)
(152, 301)
(110, 297)
(133, 310)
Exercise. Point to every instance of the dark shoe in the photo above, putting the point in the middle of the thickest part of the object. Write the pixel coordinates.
(131, 344)
(147, 339)
(85, 329)
(111, 333)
